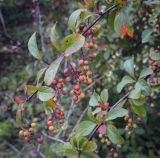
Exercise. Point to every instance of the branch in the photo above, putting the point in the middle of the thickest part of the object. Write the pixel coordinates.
(53, 138)
(107, 11)
(72, 104)
(3, 25)
(112, 107)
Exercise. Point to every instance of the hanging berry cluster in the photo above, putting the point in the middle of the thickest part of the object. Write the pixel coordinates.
(55, 121)
(28, 134)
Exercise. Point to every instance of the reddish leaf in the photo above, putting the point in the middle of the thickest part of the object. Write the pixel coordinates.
(123, 30)
(19, 100)
(25, 89)
(126, 30)
(130, 32)
(102, 129)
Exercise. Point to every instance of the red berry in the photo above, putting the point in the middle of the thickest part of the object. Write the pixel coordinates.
(49, 123)
(81, 62)
(66, 71)
(86, 62)
(54, 82)
(81, 27)
(63, 92)
(50, 118)
(68, 79)
(60, 80)
(89, 32)
(61, 121)
(77, 87)
(92, 56)
(75, 98)
(81, 78)
(40, 141)
(78, 92)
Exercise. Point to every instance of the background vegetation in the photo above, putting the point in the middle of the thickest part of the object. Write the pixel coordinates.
(19, 19)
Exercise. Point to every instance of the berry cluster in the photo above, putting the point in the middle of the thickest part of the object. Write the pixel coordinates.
(106, 141)
(113, 153)
(58, 118)
(103, 106)
(28, 134)
(59, 86)
(130, 125)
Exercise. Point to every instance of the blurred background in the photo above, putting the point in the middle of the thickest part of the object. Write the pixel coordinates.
(19, 19)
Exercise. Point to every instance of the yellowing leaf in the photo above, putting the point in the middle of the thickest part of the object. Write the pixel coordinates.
(54, 37)
(121, 26)
(121, 2)
(72, 43)
(52, 104)
(52, 70)
(126, 30)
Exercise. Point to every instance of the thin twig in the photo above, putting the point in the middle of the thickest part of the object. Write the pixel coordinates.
(107, 11)
(79, 120)
(112, 107)
(43, 156)
(73, 105)
(12, 147)
(53, 138)
(71, 109)
(3, 25)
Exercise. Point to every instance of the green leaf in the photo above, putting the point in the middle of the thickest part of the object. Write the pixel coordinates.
(73, 19)
(81, 142)
(90, 146)
(52, 70)
(129, 67)
(144, 86)
(94, 99)
(135, 93)
(140, 101)
(77, 17)
(111, 18)
(125, 81)
(114, 135)
(146, 35)
(19, 118)
(115, 113)
(69, 151)
(145, 72)
(139, 110)
(104, 95)
(91, 116)
(54, 37)
(86, 154)
(40, 74)
(33, 48)
(155, 56)
(31, 89)
(85, 128)
(45, 93)
(72, 43)
(118, 21)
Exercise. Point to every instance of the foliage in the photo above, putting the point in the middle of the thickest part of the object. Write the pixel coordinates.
(108, 69)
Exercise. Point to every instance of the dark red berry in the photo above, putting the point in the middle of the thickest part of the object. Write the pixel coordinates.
(75, 98)
(50, 118)
(92, 56)
(49, 123)
(81, 26)
(66, 71)
(68, 79)
(54, 82)
(77, 87)
(40, 141)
